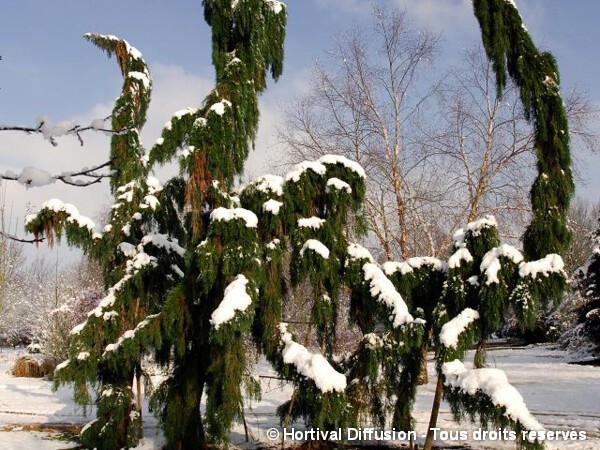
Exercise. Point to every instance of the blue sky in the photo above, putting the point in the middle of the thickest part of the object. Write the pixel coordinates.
(47, 68)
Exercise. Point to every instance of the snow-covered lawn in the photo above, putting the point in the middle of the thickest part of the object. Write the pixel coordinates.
(563, 397)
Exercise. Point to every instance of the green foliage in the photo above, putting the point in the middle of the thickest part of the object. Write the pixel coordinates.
(587, 280)
(479, 408)
(513, 53)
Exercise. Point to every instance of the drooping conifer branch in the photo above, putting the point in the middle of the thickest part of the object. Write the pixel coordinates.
(513, 53)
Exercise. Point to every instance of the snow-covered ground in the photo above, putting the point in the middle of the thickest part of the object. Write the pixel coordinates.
(563, 397)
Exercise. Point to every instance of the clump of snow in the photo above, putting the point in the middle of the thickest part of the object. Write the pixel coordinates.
(384, 291)
(62, 365)
(462, 254)
(150, 201)
(316, 246)
(153, 184)
(219, 107)
(141, 77)
(315, 166)
(270, 184)
(490, 265)
(408, 266)
(177, 270)
(52, 130)
(236, 298)
(494, 384)
(349, 164)
(127, 249)
(59, 206)
(273, 206)
(275, 5)
(186, 152)
(163, 241)
(476, 226)
(454, 328)
(273, 244)
(178, 115)
(549, 264)
(227, 214)
(357, 252)
(311, 365)
(33, 177)
(338, 184)
(372, 340)
(311, 222)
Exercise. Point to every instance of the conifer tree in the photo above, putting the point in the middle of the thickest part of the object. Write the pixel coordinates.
(188, 243)
(365, 386)
(475, 287)
(587, 280)
(126, 254)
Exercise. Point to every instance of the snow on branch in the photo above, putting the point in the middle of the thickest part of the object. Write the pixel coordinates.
(273, 206)
(494, 384)
(316, 246)
(130, 334)
(50, 130)
(411, 264)
(452, 330)
(73, 216)
(338, 184)
(342, 160)
(313, 366)
(35, 177)
(300, 169)
(462, 254)
(227, 214)
(235, 298)
(490, 265)
(550, 264)
(269, 184)
(384, 291)
(311, 222)
(357, 252)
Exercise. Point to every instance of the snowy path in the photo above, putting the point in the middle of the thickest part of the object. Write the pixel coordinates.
(561, 396)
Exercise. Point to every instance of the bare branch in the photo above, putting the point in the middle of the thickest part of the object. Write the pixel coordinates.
(18, 239)
(75, 130)
(67, 177)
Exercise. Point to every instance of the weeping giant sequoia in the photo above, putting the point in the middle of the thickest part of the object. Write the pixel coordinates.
(194, 270)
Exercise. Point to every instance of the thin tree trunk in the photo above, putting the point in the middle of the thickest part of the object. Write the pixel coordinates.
(480, 354)
(435, 409)
(138, 378)
(423, 375)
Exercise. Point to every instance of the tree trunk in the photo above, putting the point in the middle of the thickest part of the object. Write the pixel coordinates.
(480, 354)
(435, 409)
(138, 379)
(423, 375)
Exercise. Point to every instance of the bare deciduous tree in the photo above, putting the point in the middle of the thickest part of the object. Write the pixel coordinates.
(439, 151)
(363, 106)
